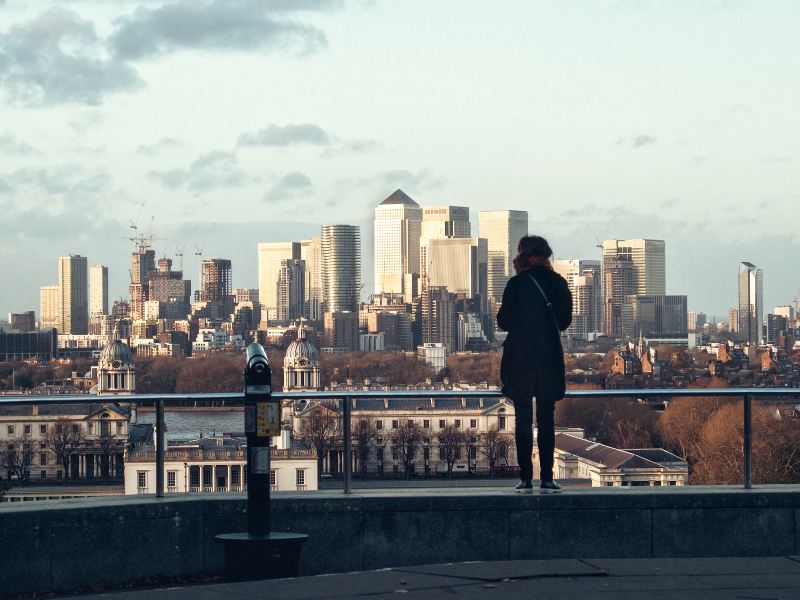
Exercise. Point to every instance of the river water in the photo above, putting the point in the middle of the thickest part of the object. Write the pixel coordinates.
(182, 425)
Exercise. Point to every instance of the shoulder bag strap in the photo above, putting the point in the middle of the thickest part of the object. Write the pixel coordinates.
(547, 302)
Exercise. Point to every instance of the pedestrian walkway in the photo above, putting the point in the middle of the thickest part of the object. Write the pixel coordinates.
(596, 579)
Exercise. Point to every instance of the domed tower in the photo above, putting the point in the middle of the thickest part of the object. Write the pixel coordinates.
(301, 365)
(116, 371)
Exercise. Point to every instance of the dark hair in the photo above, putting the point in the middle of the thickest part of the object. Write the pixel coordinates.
(534, 245)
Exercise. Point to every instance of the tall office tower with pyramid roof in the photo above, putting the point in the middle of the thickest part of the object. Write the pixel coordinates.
(398, 221)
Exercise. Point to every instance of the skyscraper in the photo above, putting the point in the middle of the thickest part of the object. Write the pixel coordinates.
(74, 294)
(397, 227)
(341, 267)
(440, 223)
(751, 303)
(143, 263)
(648, 260)
(98, 290)
(584, 280)
(502, 230)
(215, 285)
(49, 306)
(618, 284)
(291, 289)
(270, 255)
(460, 265)
(311, 253)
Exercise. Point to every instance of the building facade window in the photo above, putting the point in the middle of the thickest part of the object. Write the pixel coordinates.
(395, 423)
(273, 479)
(141, 481)
(172, 479)
(379, 424)
(457, 424)
(300, 477)
(43, 458)
(76, 429)
(501, 419)
(10, 430)
(426, 423)
(27, 429)
(42, 429)
(411, 422)
(442, 424)
(43, 474)
(473, 423)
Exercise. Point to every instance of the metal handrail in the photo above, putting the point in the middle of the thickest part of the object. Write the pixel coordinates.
(160, 401)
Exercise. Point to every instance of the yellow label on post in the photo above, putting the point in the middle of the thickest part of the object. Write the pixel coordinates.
(268, 420)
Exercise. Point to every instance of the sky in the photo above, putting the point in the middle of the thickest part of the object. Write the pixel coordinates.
(218, 124)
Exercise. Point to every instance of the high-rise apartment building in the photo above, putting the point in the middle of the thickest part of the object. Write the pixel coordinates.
(584, 280)
(215, 284)
(460, 265)
(49, 306)
(751, 303)
(23, 322)
(438, 323)
(143, 263)
(648, 260)
(291, 290)
(618, 284)
(270, 255)
(170, 290)
(341, 332)
(397, 227)
(733, 320)
(341, 267)
(98, 290)
(785, 310)
(73, 282)
(697, 320)
(311, 254)
(502, 230)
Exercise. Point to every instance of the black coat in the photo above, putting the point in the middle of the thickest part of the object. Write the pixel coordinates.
(533, 359)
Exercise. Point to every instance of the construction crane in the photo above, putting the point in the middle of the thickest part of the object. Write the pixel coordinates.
(198, 251)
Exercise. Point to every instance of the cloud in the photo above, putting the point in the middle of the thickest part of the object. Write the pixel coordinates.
(401, 178)
(638, 141)
(290, 186)
(57, 58)
(165, 143)
(10, 145)
(287, 135)
(352, 147)
(215, 25)
(209, 171)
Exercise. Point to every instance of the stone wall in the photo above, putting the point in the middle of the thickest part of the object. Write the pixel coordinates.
(74, 544)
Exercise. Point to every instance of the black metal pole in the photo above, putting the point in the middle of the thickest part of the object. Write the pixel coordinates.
(748, 442)
(257, 399)
(160, 449)
(348, 465)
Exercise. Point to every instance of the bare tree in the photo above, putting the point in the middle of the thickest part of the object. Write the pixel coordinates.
(64, 438)
(364, 434)
(321, 431)
(494, 445)
(450, 440)
(407, 439)
(470, 439)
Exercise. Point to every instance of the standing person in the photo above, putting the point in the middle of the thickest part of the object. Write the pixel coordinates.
(537, 307)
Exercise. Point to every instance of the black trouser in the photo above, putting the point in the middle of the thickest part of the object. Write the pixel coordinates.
(545, 439)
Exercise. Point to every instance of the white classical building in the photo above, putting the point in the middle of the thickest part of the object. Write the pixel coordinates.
(218, 464)
(604, 466)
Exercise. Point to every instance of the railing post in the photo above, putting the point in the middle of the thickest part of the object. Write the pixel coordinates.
(348, 466)
(748, 442)
(160, 442)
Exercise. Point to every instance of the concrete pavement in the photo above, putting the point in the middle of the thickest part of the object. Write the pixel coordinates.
(576, 579)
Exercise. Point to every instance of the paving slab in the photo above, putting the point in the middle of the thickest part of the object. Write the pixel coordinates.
(512, 569)
(696, 566)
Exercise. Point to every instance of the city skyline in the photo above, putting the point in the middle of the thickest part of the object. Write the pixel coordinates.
(626, 121)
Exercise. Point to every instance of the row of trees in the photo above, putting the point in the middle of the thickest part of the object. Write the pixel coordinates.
(323, 433)
(63, 440)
